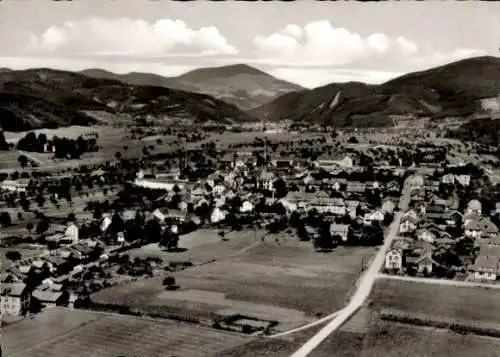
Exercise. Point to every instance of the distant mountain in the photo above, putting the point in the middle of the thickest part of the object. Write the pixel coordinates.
(42, 97)
(239, 84)
(456, 89)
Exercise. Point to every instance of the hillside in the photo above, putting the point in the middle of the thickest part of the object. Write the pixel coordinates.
(239, 84)
(455, 89)
(49, 98)
(483, 131)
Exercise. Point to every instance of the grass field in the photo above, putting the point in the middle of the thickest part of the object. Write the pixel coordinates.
(288, 283)
(461, 303)
(59, 332)
(387, 339)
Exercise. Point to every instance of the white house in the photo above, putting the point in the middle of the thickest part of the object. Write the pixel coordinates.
(426, 236)
(217, 215)
(474, 207)
(246, 206)
(388, 206)
(71, 233)
(394, 261)
(106, 222)
(407, 226)
(14, 299)
(219, 189)
(15, 186)
(376, 216)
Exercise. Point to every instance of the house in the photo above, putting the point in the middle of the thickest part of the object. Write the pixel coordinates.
(246, 206)
(409, 225)
(217, 215)
(423, 262)
(14, 185)
(48, 296)
(14, 299)
(197, 194)
(464, 180)
(265, 180)
(485, 268)
(474, 207)
(431, 186)
(219, 189)
(355, 188)
(480, 228)
(448, 179)
(375, 216)
(388, 206)
(327, 204)
(394, 261)
(352, 208)
(339, 230)
(71, 233)
(426, 236)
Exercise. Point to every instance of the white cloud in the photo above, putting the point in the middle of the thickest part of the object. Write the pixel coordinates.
(311, 78)
(318, 43)
(127, 37)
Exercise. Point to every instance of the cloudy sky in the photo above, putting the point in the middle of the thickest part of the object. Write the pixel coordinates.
(307, 42)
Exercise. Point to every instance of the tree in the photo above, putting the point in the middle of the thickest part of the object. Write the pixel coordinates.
(23, 161)
(71, 217)
(42, 226)
(3, 143)
(29, 227)
(13, 255)
(169, 282)
(5, 219)
(280, 188)
(20, 216)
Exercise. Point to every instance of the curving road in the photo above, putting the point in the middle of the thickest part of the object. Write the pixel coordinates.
(365, 286)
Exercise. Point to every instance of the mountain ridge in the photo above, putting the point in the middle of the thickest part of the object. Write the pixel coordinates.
(239, 84)
(43, 97)
(453, 89)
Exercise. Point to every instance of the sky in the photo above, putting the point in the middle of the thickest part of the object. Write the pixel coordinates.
(307, 42)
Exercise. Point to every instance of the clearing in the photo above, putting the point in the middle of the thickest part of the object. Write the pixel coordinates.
(77, 333)
(460, 303)
(288, 283)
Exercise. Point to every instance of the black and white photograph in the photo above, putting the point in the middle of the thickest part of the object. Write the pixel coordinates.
(249, 178)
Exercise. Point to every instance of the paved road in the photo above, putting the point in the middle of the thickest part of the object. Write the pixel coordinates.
(365, 285)
(440, 281)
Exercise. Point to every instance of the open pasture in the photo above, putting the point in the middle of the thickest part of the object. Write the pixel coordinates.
(450, 302)
(61, 332)
(387, 339)
(290, 284)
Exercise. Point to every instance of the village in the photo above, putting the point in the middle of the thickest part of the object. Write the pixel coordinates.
(331, 201)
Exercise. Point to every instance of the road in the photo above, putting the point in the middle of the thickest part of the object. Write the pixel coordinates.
(440, 281)
(365, 285)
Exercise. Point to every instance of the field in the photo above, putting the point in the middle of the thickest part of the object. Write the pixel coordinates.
(58, 332)
(289, 283)
(460, 303)
(394, 340)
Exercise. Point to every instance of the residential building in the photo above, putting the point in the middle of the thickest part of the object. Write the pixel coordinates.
(474, 207)
(265, 180)
(340, 230)
(394, 261)
(375, 216)
(464, 180)
(485, 268)
(480, 228)
(71, 233)
(14, 299)
(14, 185)
(388, 206)
(426, 236)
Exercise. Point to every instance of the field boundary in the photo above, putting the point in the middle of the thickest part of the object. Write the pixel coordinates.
(456, 325)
